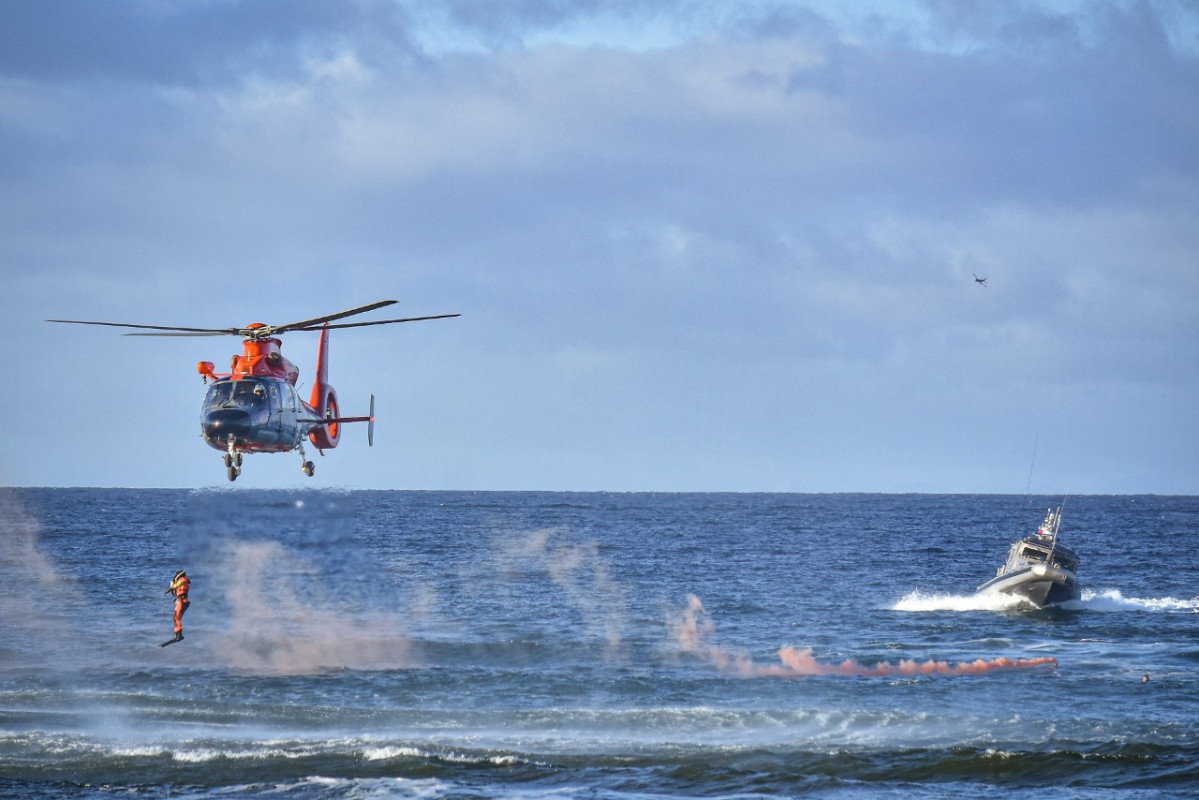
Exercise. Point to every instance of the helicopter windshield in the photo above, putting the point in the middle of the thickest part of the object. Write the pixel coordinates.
(241, 393)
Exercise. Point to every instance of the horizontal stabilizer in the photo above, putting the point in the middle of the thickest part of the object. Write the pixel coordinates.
(369, 418)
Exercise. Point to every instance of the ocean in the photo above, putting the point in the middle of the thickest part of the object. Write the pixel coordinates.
(380, 644)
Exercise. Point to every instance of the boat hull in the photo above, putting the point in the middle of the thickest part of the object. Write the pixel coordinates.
(1040, 585)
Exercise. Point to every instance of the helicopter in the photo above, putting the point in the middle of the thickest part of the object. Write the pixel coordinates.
(256, 407)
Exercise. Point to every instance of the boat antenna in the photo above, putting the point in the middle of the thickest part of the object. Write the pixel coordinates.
(1028, 485)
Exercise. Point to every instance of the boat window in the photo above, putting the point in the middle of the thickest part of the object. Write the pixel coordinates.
(1033, 555)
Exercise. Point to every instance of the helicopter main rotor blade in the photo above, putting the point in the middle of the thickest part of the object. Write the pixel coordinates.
(176, 330)
(310, 323)
(258, 333)
(376, 322)
(230, 332)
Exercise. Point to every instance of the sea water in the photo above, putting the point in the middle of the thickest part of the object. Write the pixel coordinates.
(362, 644)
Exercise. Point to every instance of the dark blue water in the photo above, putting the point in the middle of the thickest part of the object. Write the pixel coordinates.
(460, 644)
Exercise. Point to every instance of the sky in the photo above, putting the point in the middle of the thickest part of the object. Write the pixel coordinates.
(696, 246)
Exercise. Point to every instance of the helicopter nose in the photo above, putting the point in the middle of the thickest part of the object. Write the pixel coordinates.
(222, 423)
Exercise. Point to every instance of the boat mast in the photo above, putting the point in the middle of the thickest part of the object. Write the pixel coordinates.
(1053, 520)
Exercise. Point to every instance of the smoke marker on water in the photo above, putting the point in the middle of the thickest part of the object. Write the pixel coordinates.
(694, 629)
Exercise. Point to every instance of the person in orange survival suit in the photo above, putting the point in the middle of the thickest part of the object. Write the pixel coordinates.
(179, 587)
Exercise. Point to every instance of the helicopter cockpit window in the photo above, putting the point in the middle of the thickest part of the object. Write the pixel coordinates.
(243, 393)
(291, 400)
(249, 393)
(218, 394)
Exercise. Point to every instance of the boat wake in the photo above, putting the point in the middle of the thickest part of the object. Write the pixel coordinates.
(994, 601)
(1114, 600)
(1108, 600)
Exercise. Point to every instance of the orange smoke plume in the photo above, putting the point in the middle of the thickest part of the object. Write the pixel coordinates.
(693, 629)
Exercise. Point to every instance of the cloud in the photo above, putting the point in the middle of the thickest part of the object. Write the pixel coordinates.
(747, 214)
(186, 44)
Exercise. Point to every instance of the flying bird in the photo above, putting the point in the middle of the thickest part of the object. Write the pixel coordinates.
(980, 281)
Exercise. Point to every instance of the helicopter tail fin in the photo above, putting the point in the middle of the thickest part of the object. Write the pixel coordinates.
(324, 400)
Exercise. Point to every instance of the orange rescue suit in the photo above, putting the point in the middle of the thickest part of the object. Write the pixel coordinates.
(180, 586)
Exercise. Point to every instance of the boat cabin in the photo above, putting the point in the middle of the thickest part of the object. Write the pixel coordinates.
(1039, 550)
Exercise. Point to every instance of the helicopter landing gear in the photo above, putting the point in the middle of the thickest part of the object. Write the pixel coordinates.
(233, 461)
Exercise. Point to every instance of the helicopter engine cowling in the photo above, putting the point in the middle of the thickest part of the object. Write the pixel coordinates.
(326, 437)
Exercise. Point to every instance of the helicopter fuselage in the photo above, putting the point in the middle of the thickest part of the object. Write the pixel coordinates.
(255, 414)
(257, 409)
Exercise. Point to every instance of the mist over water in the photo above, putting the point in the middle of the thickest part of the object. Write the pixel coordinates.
(31, 590)
(289, 588)
(491, 644)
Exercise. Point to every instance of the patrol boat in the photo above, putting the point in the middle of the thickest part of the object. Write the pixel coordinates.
(1038, 567)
